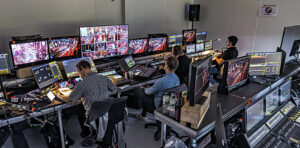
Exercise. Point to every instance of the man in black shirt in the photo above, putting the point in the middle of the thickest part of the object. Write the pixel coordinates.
(184, 64)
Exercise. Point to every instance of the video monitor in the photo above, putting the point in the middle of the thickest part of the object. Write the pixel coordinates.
(201, 37)
(104, 41)
(189, 36)
(272, 101)
(199, 47)
(138, 46)
(157, 44)
(30, 52)
(47, 74)
(175, 40)
(127, 63)
(254, 114)
(4, 66)
(70, 66)
(237, 72)
(190, 48)
(63, 47)
(199, 79)
(209, 45)
(265, 63)
(285, 92)
(295, 48)
(290, 35)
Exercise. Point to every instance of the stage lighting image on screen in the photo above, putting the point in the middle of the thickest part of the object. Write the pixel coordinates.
(175, 40)
(190, 48)
(272, 101)
(254, 114)
(104, 41)
(265, 63)
(64, 47)
(199, 79)
(30, 52)
(137, 46)
(237, 71)
(189, 36)
(199, 47)
(157, 44)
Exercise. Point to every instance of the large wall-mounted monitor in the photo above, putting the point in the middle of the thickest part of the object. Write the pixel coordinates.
(189, 36)
(265, 63)
(47, 74)
(70, 66)
(175, 40)
(199, 79)
(104, 41)
(64, 47)
(29, 53)
(138, 46)
(157, 44)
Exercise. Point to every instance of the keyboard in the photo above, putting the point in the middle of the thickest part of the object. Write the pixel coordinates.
(143, 71)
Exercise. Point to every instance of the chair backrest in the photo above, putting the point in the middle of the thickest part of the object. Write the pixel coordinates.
(176, 90)
(99, 109)
(117, 110)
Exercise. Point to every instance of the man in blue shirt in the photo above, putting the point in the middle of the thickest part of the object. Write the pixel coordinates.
(151, 97)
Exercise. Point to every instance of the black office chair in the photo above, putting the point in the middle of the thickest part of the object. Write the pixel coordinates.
(157, 124)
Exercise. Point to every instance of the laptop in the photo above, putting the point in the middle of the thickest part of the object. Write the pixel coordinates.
(128, 64)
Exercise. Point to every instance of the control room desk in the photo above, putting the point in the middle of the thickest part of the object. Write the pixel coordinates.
(231, 104)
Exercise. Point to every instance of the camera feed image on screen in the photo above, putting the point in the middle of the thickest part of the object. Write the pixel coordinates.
(65, 47)
(255, 113)
(201, 37)
(157, 44)
(190, 48)
(285, 91)
(237, 71)
(4, 67)
(25, 53)
(189, 36)
(47, 74)
(199, 47)
(272, 101)
(137, 46)
(104, 41)
(265, 63)
(175, 40)
(70, 66)
(209, 45)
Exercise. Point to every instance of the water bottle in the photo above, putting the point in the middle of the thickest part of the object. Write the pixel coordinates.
(172, 105)
(166, 103)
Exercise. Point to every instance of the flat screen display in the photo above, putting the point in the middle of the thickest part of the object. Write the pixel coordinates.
(29, 52)
(175, 40)
(104, 41)
(70, 66)
(189, 36)
(237, 71)
(201, 37)
(63, 47)
(209, 45)
(157, 44)
(190, 48)
(272, 101)
(137, 46)
(254, 113)
(4, 67)
(199, 47)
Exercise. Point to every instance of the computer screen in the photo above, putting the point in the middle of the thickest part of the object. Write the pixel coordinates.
(47, 74)
(70, 66)
(199, 47)
(63, 47)
(254, 114)
(190, 48)
(209, 45)
(137, 46)
(29, 52)
(175, 40)
(4, 66)
(272, 101)
(295, 48)
(201, 37)
(157, 44)
(129, 61)
(199, 79)
(189, 36)
(285, 91)
(265, 63)
(237, 72)
(104, 41)
(108, 73)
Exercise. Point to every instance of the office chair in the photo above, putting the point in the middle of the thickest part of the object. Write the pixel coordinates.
(157, 124)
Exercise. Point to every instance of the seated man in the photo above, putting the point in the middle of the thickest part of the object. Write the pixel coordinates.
(228, 54)
(92, 88)
(151, 97)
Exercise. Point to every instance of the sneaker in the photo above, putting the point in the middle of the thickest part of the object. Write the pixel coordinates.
(140, 117)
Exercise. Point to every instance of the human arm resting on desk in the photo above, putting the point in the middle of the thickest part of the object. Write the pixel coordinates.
(75, 95)
(154, 89)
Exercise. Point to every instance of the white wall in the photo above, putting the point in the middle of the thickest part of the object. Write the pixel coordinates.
(54, 17)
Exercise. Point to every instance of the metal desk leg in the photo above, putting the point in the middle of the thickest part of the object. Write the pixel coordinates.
(193, 143)
(163, 133)
(62, 137)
